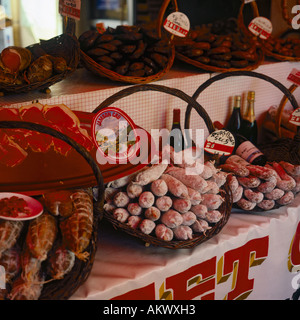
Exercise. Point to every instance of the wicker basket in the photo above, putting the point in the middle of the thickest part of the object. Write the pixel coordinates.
(226, 206)
(282, 149)
(64, 45)
(265, 44)
(64, 288)
(211, 68)
(97, 69)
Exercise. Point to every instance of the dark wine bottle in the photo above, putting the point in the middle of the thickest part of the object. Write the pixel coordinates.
(248, 151)
(176, 136)
(248, 124)
(234, 122)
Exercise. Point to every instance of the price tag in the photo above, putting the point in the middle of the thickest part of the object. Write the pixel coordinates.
(114, 133)
(295, 117)
(178, 24)
(294, 76)
(261, 27)
(70, 8)
(220, 142)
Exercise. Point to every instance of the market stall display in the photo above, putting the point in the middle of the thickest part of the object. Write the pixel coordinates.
(153, 204)
(40, 65)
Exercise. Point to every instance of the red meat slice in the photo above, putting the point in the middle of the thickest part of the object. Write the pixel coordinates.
(9, 114)
(17, 135)
(38, 142)
(32, 113)
(61, 115)
(68, 123)
(11, 153)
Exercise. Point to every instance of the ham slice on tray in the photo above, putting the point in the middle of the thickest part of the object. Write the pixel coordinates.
(58, 117)
(37, 141)
(11, 154)
(68, 123)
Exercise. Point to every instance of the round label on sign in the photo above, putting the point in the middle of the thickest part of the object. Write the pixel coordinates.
(261, 27)
(178, 24)
(295, 117)
(114, 134)
(220, 142)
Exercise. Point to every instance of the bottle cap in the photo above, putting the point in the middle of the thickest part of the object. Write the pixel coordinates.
(237, 98)
(176, 115)
(251, 95)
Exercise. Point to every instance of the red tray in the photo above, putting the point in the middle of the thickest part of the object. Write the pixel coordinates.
(50, 171)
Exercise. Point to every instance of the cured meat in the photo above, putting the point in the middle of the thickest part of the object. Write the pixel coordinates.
(11, 154)
(77, 229)
(61, 262)
(61, 117)
(10, 260)
(59, 203)
(41, 235)
(37, 141)
(9, 234)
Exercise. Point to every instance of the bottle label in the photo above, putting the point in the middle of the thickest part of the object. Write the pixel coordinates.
(248, 151)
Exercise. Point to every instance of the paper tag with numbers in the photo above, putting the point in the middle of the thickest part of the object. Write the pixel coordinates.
(178, 24)
(294, 76)
(295, 117)
(261, 27)
(70, 8)
(220, 142)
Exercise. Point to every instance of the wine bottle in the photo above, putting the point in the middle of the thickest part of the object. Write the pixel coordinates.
(176, 136)
(248, 124)
(234, 122)
(248, 151)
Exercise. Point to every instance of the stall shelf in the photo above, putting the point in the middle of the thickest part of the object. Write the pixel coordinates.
(256, 256)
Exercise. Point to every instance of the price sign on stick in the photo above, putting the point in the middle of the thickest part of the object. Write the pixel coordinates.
(220, 142)
(294, 77)
(295, 117)
(178, 24)
(261, 27)
(70, 8)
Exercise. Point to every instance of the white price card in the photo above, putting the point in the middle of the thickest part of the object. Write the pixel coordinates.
(220, 142)
(261, 27)
(70, 8)
(294, 76)
(178, 24)
(295, 117)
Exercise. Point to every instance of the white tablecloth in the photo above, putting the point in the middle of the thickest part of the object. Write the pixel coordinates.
(252, 257)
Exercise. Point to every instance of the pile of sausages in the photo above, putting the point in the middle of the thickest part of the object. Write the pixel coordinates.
(261, 187)
(289, 47)
(165, 202)
(127, 50)
(222, 51)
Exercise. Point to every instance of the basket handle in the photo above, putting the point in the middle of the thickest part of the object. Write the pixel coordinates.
(280, 109)
(161, 14)
(240, 18)
(54, 133)
(221, 76)
(192, 103)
